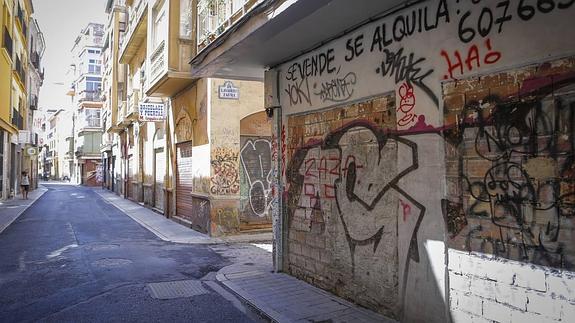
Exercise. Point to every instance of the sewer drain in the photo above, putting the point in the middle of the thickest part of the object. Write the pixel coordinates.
(176, 289)
(111, 262)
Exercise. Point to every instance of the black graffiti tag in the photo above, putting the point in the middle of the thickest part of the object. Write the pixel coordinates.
(406, 68)
(338, 89)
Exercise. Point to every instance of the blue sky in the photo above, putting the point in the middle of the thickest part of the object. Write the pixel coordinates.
(61, 22)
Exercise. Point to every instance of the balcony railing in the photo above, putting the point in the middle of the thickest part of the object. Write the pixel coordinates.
(90, 96)
(35, 59)
(17, 119)
(19, 68)
(133, 101)
(121, 111)
(33, 102)
(158, 61)
(22, 21)
(216, 16)
(134, 15)
(7, 42)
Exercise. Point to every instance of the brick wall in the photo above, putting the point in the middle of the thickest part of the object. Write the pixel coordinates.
(340, 160)
(509, 160)
(509, 207)
(487, 289)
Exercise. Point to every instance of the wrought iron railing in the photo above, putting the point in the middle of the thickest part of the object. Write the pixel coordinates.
(17, 119)
(35, 59)
(33, 102)
(216, 16)
(20, 70)
(90, 96)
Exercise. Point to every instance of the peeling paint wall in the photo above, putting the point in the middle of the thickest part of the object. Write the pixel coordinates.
(376, 153)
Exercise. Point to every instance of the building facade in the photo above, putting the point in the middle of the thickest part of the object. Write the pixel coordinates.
(86, 90)
(423, 153)
(185, 162)
(36, 48)
(20, 81)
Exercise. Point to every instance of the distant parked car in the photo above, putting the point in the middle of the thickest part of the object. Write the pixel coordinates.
(65, 178)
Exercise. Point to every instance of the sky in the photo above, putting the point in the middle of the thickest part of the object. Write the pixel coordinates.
(61, 21)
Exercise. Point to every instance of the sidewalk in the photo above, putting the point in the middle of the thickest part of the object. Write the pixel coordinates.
(11, 209)
(169, 230)
(280, 297)
(284, 298)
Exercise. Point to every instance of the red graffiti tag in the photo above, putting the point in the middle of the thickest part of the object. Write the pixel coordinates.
(406, 104)
(473, 60)
(406, 209)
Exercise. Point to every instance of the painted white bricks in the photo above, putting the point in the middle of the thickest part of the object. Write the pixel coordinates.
(510, 295)
(459, 282)
(496, 312)
(526, 317)
(487, 289)
(469, 303)
(567, 311)
(562, 285)
(543, 304)
(530, 277)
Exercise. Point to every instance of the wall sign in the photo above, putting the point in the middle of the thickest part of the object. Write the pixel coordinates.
(228, 91)
(151, 112)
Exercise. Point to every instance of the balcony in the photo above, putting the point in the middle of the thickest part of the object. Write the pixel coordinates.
(35, 60)
(122, 121)
(165, 81)
(158, 60)
(137, 31)
(132, 106)
(33, 102)
(216, 16)
(7, 43)
(22, 20)
(17, 119)
(19, 69)
(91, 96)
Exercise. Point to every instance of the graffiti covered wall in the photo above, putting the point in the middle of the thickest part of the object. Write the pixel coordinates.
(510, 164)
(225, 150)
(377, 196)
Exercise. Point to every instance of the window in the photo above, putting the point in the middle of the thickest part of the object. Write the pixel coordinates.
(93, 118)
(94, 66)
(93, 51)
(186, 19)
(93, 86)
(159, 26)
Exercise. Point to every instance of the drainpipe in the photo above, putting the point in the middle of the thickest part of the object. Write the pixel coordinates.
(273, 110)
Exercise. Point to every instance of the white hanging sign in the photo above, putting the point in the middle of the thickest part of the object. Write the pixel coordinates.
(151, 112)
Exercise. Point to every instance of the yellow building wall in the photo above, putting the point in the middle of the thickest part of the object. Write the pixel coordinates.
(5, 71)
(5, 86)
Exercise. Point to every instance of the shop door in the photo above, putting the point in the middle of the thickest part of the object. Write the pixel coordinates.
(159, 172)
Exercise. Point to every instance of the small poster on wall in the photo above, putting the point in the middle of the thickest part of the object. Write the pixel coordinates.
(152, 112)
(228, 91)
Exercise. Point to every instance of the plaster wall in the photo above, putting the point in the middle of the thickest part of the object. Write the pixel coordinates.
(365, 120)
(225, 116)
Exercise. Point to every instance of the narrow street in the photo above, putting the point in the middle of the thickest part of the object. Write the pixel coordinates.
(74, 257)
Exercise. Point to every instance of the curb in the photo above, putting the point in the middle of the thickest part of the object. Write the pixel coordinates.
(201, 241)
(266, 312)
(211, 241)
(41, 193)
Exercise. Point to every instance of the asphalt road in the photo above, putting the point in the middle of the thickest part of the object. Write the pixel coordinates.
(73, 257)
